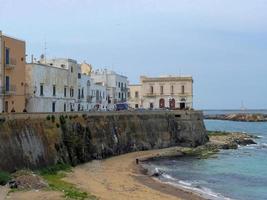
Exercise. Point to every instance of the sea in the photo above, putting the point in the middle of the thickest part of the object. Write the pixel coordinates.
(230, 174)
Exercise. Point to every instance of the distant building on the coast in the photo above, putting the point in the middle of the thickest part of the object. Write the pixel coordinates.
(174, 92)
(117, 85)
(12, 70)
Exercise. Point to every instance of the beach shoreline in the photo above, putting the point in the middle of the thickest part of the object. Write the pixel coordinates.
(121, 178)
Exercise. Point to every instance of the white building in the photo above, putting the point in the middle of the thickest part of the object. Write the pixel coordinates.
(51, 87)
(91, 96)
(117, 85)
(58, 85)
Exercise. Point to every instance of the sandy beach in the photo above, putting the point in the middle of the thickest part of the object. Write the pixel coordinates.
(119, 178)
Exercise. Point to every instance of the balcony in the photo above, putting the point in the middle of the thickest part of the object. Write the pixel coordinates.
(124, 89)
(8, 90)
(89, 98)
(11, 63)
(150, 95)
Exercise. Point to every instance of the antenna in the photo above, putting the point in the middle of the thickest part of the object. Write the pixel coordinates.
(45, 51)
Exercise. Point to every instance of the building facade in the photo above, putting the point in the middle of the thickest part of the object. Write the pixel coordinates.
(173, 92)
(51, 88)
(116, 84)
(12, 74)
(59, 85)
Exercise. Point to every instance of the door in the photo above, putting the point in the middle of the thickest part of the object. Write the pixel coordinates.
(172, 103)
(161, 103)
(182, 106)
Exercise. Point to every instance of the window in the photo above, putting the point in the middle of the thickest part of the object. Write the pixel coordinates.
(71, 69)
(151, 90)
(82, 96)
(119, 95)
(7, 83)
(119, 84)
(182, 89)
(129, 94)
(65, 107)
(79, 93)
(65, 91)
(53, 106)
(136, 94)
(7, 55)
(41, 89)
(161, 89)
(172, 89)
(54, 90)
(71, 92)
(79, 75)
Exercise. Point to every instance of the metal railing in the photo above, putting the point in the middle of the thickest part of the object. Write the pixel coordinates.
(8, 90)
(11, 63)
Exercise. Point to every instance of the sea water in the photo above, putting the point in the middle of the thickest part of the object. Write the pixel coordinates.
(231, 174)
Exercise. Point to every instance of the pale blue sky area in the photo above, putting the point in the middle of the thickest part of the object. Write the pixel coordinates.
(221, 43)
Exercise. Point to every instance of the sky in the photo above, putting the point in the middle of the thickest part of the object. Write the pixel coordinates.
(221, 43)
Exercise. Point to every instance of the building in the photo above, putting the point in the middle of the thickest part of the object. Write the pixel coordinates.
(117, 85)
(62, 85)
(173, 92)
(91, 95)
(135, 96)
(12, 74)
(52, 86)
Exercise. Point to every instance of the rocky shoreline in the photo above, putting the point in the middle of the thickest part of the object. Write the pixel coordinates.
(242, 117)
(217, 140)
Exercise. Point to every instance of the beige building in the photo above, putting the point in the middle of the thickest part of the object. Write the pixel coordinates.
(12, 78)
(173, 92)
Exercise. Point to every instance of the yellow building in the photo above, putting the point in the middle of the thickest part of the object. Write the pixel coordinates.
(12, 74)
(172, 92)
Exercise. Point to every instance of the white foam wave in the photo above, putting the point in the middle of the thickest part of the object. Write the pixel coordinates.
(194, 186)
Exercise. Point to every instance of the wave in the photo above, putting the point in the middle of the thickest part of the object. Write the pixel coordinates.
(193, 186)
(255, 146)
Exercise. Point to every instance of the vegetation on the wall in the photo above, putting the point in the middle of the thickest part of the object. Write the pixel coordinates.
(4, 177)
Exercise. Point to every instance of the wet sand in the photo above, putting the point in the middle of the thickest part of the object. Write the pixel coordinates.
(119, 178)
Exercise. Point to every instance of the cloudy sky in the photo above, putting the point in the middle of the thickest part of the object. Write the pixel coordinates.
(221, 43)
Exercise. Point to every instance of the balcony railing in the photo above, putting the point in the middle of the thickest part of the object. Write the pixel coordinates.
(124, 89)
(8, 90)
(150, 94)
(11, 63)
(89, 98)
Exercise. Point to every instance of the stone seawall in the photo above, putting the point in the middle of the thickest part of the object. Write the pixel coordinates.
(38, 140)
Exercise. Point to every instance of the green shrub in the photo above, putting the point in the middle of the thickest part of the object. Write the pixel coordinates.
(48, 117)
(53, 118)
(55, 169)
(84, 116)
(4, 177)
(62, 119)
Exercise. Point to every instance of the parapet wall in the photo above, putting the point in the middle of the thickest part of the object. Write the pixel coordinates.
(35, 140)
